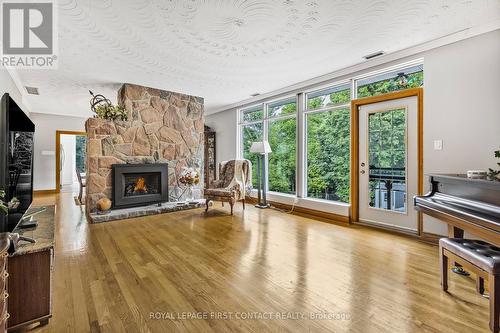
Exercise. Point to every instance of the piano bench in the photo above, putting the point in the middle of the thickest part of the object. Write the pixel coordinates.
(481, 258)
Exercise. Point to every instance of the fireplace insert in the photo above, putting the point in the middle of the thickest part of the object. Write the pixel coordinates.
(139, 184)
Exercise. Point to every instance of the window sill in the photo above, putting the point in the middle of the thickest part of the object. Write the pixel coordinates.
(334, 207)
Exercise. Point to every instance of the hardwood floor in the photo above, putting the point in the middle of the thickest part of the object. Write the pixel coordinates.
(112, 277)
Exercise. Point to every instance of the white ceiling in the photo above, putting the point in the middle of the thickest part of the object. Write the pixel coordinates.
(225, 50)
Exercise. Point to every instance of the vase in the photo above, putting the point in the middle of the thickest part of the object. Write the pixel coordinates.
(189, 193)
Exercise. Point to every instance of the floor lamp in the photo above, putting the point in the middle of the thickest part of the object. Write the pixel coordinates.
(261, 148)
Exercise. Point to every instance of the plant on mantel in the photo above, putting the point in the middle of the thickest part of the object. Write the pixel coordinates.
(104, 109)
(495, 174)
(12, 204)
(113, 112)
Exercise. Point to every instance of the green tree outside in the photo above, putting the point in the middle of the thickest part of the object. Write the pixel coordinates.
(81, 141)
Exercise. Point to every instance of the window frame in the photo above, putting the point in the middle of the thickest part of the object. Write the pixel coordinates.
(384, 71)
(267, 120)
(332, 108)
(300, 95)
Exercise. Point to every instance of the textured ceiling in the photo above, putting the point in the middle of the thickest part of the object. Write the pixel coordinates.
(225, 50)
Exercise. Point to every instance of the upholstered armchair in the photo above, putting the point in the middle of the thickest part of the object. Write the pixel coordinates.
(235, 177)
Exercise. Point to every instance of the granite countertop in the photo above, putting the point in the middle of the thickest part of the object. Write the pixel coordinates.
(43, 233)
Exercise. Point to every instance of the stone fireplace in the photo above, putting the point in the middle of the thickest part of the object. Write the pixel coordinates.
(163, 127)
(139, 184)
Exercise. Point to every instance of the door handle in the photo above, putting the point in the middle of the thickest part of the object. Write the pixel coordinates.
(362, 172)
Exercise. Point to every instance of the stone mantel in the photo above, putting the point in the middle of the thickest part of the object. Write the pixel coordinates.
(162, 127)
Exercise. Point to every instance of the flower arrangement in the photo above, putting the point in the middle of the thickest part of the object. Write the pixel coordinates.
(189, 177)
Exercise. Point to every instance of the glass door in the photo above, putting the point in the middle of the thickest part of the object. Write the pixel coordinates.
(388, 167)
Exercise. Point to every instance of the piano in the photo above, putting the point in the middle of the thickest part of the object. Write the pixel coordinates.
(471, 205)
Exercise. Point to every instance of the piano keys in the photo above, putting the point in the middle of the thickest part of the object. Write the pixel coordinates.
(471, 205)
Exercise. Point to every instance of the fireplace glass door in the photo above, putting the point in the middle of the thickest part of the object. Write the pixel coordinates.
(136, 184)
(139, 184)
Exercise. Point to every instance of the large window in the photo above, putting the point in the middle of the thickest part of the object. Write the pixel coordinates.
(281, 135)
(324, 142)
(328, 139)
(252, 129)
(412, 77)
(276, 123)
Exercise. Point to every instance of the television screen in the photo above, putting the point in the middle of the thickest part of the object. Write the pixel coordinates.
(16, 161)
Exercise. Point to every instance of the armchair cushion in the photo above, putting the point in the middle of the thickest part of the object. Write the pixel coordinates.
(216, 184)
(219, 192)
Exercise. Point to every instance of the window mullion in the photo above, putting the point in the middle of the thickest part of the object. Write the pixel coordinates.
(354, 92)
(301, 167)
(265, 137)
(333, 108)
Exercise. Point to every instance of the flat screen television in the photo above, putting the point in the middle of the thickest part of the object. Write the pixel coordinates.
(16, 161)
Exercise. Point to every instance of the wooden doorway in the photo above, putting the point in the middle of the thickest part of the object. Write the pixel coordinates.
(59, 133)
(370, 106)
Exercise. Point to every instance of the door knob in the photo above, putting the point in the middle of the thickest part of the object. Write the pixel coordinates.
(362, 172)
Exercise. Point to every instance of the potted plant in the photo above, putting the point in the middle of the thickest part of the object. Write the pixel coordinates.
(3, 205)
(495, 174)
(104, 109)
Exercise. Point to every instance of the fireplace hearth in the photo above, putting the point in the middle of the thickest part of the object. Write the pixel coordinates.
(139, 184)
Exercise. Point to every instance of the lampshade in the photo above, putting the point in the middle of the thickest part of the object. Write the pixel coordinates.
(260, 147)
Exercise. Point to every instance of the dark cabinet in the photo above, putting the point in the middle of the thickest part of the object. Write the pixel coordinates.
(210, 163)
(30, 270)
(4, 245)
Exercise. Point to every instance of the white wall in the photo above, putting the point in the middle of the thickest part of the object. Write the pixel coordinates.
(68, 166)
(45, 145)
(460, 107)
(7, 85)
(224, 123)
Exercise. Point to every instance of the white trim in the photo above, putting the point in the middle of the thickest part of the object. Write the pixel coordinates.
(280, 98)
(300, 159)
(240, 119)
(330, 108)
(288, 116)
(333, 207)
(407, 64)
(327, 85)
(364, 65)
(305, 133)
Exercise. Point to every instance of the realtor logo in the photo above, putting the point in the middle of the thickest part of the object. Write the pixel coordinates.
(28, 34)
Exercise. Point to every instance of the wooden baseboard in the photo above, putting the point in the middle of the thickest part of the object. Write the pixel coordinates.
(335, 218)
(306, 212)
(45, 191)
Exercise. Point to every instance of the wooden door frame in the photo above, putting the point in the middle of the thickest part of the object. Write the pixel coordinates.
(58, 153)
(355, 105)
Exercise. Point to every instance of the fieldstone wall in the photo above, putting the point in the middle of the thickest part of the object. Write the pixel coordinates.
(163, 127)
